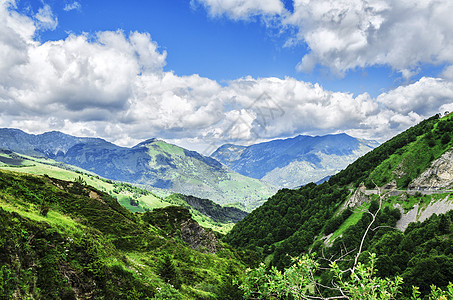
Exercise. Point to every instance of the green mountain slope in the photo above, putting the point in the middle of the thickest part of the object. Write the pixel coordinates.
(67, 240)
(133, 198)
(330, 219)
(193, 174)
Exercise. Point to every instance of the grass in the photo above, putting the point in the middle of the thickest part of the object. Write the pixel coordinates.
(63, 223)
(148, 201)
(408, 163)
(121, 245)
(350, 221)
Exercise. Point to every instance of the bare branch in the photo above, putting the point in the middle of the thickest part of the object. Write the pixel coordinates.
(373, 215)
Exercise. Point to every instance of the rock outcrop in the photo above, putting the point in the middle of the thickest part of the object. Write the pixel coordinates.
(197, 237)
(438, 175)
(176, 221)
(357, 198)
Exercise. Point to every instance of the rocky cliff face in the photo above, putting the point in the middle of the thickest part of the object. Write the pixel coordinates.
(439, 175)
(197, 237)
(177, 221)
(421, 213)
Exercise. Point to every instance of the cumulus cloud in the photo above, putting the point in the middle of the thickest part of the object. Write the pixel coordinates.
(241, 9)
(113, 85)
(448, 73)
(423, 97)
(73, 6)
(347, 34)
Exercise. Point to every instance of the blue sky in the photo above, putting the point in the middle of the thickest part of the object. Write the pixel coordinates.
(197, 66)
(219, 48)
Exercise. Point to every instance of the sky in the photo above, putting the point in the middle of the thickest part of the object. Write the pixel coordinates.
(202, 73)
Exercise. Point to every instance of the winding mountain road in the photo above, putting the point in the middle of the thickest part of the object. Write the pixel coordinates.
(395, 192)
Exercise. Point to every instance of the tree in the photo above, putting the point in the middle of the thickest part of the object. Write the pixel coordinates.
(445, 138)
(168, 272)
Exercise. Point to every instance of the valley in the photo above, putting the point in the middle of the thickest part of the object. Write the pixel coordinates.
(226, 150)
(408, 202)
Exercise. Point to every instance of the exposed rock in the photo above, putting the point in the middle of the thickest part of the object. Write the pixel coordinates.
(357, 199)
(197, 237)
(177, 221)
(390, 186)
(438, 175)
(420, 214)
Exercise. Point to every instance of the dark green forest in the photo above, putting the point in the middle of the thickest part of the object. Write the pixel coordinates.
(294, 222)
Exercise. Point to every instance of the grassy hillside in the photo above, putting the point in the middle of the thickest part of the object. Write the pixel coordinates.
(131, 197)
(314, 218)
(67, 240)
(403, 157)
(190, 173)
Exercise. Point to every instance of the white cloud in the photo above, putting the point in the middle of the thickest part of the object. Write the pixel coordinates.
(347, 34)
(45, 19)
(73, 6)
(448, 73)
(113, 85)
(241, 9)
(423, 97)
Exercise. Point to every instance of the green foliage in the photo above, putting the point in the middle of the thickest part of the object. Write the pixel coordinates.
(7, 282)
(168, 272)
(89, 246)
(335, 222)
(291, 217)
(167, 218)
(300, 282)
(209, 208)
(402, 158)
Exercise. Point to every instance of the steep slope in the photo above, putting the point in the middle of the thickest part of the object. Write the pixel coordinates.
(152, 163)
(135, 199)
(67, 240)
(331, 218)
(296, 161)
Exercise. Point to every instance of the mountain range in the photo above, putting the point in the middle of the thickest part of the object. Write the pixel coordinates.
(388, 214)
(152, 163)
(295, 161)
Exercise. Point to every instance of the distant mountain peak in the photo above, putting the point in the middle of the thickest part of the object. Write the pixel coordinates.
(294, 161)
(146, 142)
(153, 163)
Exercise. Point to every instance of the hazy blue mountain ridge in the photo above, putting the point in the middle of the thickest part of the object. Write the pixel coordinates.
(294, 161)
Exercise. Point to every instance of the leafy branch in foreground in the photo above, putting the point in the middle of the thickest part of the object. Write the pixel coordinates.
(299, 282)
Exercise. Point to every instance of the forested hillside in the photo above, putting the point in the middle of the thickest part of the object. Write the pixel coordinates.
(331, 219)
